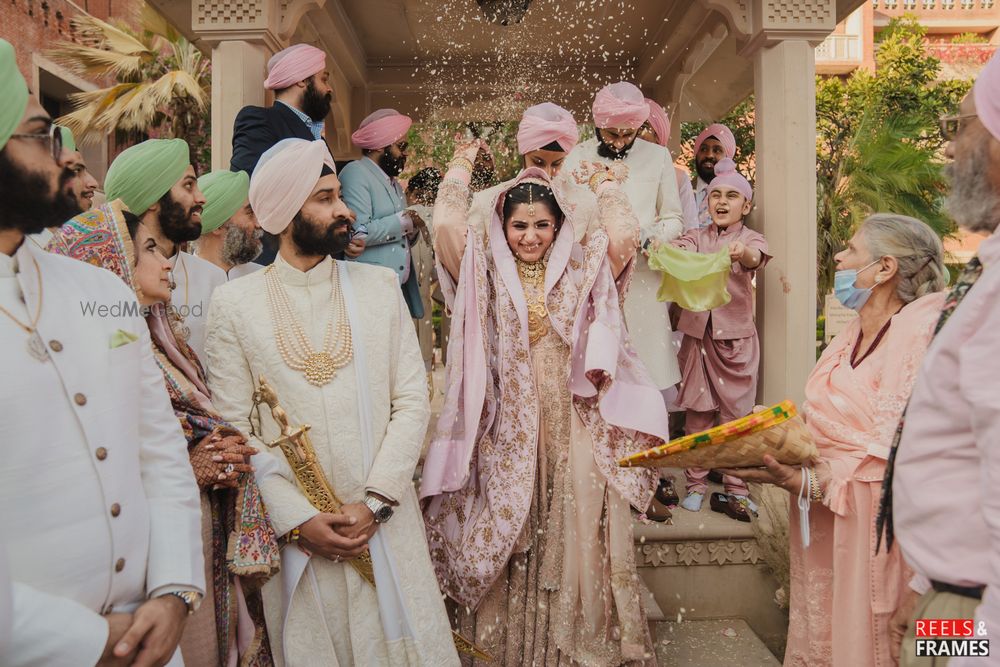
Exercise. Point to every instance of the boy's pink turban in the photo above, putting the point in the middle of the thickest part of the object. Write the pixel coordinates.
(726, 174)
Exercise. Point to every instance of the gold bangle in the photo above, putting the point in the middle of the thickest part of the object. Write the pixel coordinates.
(815, 492)
(462, 163)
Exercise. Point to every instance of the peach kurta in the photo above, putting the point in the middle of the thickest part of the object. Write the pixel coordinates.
(843, 594)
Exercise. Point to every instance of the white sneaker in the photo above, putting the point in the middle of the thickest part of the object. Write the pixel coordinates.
(692, 501)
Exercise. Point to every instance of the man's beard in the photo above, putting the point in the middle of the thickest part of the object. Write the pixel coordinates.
(315, 105)
(26, 202)
(241, 248)
(392, 166)
(610, 152)
(973, 202)
(706, 171)
(312, 239)
(176, 223)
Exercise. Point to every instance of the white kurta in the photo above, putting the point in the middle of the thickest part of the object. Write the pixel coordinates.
(195, 279)
(98, 504)
(651, 188)
(333, 616)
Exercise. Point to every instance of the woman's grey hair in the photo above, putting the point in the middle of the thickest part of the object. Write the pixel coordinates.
(916, 247)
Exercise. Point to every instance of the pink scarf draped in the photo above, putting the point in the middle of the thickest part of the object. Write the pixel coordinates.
(479, 472)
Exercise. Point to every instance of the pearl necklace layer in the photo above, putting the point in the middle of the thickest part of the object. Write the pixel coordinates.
(293, 344)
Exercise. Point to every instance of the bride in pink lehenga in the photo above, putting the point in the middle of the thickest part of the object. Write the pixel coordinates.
(527, 513)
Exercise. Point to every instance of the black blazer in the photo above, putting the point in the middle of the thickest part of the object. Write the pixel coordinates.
(256, 129)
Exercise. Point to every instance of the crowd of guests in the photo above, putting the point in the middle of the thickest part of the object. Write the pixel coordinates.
(157, 346)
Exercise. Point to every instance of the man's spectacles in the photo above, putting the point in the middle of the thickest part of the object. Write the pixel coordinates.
(53, 137)
(951, 125)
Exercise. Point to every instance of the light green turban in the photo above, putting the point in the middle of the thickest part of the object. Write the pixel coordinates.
(145, 172)
(13, 91)
(69, 143)
(225, 191)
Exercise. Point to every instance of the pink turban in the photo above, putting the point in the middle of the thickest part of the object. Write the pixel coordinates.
(659, 121)
(296, 63)
(726, 174)
(380, 129)
(544, 123)
(620, 105)
(284, 178)
(986, 95)
(720, 132)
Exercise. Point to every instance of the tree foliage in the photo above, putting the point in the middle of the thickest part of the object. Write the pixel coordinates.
(878, 147)
(159, 84)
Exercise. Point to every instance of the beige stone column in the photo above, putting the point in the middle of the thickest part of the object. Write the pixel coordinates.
(241, 67)
(784, 87)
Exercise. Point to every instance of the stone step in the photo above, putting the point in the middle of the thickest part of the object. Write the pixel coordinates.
(726, 642)
(705, 566)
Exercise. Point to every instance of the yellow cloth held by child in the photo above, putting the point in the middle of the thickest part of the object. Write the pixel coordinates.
(694, 281)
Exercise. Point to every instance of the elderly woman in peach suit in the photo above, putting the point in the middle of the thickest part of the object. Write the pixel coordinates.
(844, 595)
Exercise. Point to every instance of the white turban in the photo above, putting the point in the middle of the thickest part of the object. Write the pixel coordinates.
(284, 178)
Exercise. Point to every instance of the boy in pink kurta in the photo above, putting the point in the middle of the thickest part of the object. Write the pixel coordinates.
(720, 354)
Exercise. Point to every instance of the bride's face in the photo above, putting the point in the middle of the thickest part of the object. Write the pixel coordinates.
(529, 236)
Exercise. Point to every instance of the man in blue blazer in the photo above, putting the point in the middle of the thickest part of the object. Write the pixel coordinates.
(370, 189)
(302, 101)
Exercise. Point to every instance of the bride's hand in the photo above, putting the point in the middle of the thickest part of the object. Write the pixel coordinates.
(470, 150)
(586, 171)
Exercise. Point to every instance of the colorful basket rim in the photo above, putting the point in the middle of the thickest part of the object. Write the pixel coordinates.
(728, 432)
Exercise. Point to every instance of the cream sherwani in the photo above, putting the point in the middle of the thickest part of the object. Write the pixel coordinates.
(98, 505)
(332, 616)
(195, 279)
(651, 188)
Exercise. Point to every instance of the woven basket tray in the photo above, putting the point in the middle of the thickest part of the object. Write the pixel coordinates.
(778, 431)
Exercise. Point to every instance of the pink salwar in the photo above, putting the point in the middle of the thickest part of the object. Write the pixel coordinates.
(843, 594)
(720, 353)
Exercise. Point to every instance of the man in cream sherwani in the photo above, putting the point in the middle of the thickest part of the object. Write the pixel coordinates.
(366, 401)
(620, 110)
(98, 505)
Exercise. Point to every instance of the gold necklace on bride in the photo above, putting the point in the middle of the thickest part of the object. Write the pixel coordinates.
(532, 276)
(293, 344)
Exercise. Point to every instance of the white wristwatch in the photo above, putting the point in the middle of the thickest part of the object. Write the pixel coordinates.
(381, 510)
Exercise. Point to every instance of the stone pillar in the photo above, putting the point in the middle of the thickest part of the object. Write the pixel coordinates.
(241, 65)
(784, 85)
(781, 37)
(243, 34)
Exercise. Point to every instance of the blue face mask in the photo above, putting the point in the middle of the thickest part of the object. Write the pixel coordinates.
(844, 289)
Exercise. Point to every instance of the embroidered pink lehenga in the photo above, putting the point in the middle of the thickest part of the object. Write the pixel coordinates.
(527, 513)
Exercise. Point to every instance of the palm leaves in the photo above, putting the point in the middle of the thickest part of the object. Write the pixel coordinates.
(160, 83)
(882, 166)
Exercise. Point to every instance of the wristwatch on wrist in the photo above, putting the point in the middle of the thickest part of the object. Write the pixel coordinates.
(381, 510)
(192, 599)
